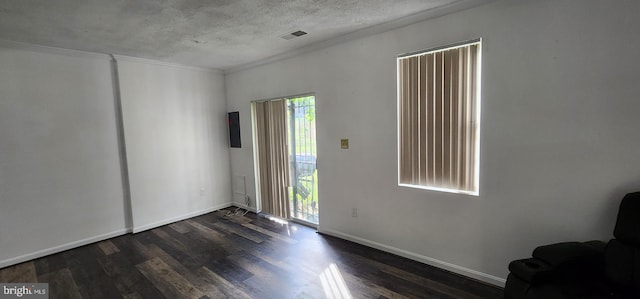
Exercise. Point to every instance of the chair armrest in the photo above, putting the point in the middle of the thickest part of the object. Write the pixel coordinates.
(568, 260)
(558, 268)
(560, 254)
(531, 270)
(598, 245)
(574, 261)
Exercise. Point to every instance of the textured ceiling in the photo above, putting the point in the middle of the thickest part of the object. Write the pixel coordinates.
(211, 33)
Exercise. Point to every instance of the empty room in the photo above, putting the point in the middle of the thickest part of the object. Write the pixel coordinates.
(319, 149)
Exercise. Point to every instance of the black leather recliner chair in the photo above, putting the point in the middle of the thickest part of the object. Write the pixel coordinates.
(591, 269)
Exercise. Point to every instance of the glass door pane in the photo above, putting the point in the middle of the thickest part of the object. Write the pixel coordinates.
(302, 157)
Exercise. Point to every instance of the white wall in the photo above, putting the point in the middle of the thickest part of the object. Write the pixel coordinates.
(559, 132)
(61, 169)
(60, 179)
(176, 141)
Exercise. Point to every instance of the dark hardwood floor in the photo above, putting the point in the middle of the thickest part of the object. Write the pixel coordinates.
(221, 256)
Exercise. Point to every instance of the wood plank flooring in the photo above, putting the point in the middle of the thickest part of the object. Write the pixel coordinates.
(231, 256)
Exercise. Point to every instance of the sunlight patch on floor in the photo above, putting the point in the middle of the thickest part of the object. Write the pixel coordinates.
(333, 283)
(281, 222)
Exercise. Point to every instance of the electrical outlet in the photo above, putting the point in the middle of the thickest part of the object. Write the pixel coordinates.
(354, 212)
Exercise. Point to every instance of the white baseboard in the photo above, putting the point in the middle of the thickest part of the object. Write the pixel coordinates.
(60, 248)
(141, 228)
(75, 244)
(494, 280)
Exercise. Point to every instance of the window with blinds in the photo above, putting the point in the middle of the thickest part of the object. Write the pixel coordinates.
(438, 118)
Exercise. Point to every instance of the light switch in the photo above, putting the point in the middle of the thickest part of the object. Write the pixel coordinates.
(344, 143)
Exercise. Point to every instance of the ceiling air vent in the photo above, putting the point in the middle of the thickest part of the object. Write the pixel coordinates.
(291, 35)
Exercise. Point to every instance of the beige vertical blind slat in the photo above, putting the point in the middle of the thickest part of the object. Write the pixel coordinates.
(413, 117)
(404, 121)
(431, 119)
(446, 131)
(422, 121)
(408, 123)
(473, 65)
(465, 128)
(469, 111)
(437, 110)
(455, 121)
(439, 98)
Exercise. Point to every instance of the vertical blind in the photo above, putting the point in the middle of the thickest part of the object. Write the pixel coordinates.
(273, 158)
(438, 118)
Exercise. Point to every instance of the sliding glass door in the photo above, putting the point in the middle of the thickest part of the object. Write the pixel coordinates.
(285, 146)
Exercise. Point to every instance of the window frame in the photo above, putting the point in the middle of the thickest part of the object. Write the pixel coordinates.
(477, 117)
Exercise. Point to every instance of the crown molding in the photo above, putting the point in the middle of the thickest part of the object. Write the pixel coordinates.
(167, 64)
(51, 50)
(433, 13)
(91, 55)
